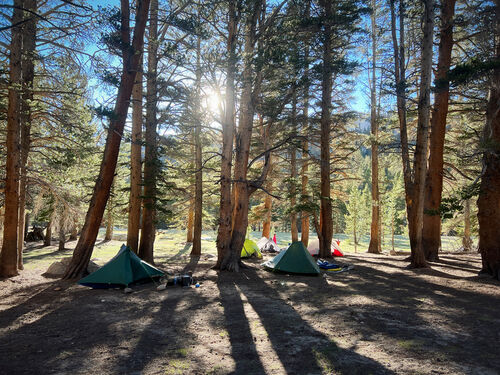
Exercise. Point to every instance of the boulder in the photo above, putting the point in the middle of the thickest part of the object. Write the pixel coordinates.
(57, 269)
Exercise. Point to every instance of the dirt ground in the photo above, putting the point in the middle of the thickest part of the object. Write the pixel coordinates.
(379, 318)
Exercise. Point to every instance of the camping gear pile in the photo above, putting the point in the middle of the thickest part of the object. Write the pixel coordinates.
(333, 267)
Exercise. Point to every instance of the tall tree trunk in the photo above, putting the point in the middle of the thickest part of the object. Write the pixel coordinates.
(326, 223)
(400, 80)
(131, 57)
(28, 74)
(466, 240)
(375, 246)
(134, 205)
(293, 170)
(268, 200)
(225, 214)
(108, 235)
(198, 200)
(62, 233)
(488, 202)
(242, 146)
(431, 237)
(48, 233)
(414, 191)
(268, 205)
(190, 219)
(304, 234)
(9, 253)
(421, 148)
(151, 158)
(192, 194)
(74, 230)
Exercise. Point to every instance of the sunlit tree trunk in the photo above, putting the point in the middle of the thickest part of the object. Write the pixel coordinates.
(108, 235)
(431, 237)
(74, 231)
(420, 162)
(467, 240)
(85, 245)
(375, 246)
(268, 206)
(134, 207)
(151, 158)
(488, 202)
(242, 146)
(198, 200)
(225, 213)
(190, 219)
(9, 253)
(400, 80)
(326, 223)
(414, 183)
(268, 200)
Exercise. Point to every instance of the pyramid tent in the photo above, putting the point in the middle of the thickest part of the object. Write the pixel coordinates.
(313, 248)
(250, 248)
(295, 259)
(267, 244)
(123, 269)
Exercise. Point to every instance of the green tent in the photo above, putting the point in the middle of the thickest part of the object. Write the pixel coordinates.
(295, 259)
(250, 248)
(125, 268)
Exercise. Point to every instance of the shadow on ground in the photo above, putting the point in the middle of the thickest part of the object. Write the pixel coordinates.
(380, 318)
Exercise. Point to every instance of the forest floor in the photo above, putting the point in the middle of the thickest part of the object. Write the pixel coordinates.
(378, 318)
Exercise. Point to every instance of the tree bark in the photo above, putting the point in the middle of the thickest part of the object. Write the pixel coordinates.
(304, 234)
(466, 240)
(131, 57)
(74, 231)
(62, 234)
(421, 149)
(225, 213)
(28, 74)
(134, 208)
(488, 202)
(293, 171)
(326, 223)
(431, 237)
(414, 185)
(242, 146)
(151, 158)
(108, 235)
(9, 253)
(268, 206)
(190, 219)
(375, 246)
(48, 233)
(198, 200)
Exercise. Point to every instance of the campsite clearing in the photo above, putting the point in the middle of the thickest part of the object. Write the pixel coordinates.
(379, 318)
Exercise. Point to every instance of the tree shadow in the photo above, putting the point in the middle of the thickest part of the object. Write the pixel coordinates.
(422, 317)
(292, 338)
(243, 349)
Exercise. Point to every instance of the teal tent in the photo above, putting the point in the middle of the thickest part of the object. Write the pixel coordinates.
(295, 259)
(125, 268)
(250, 248)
